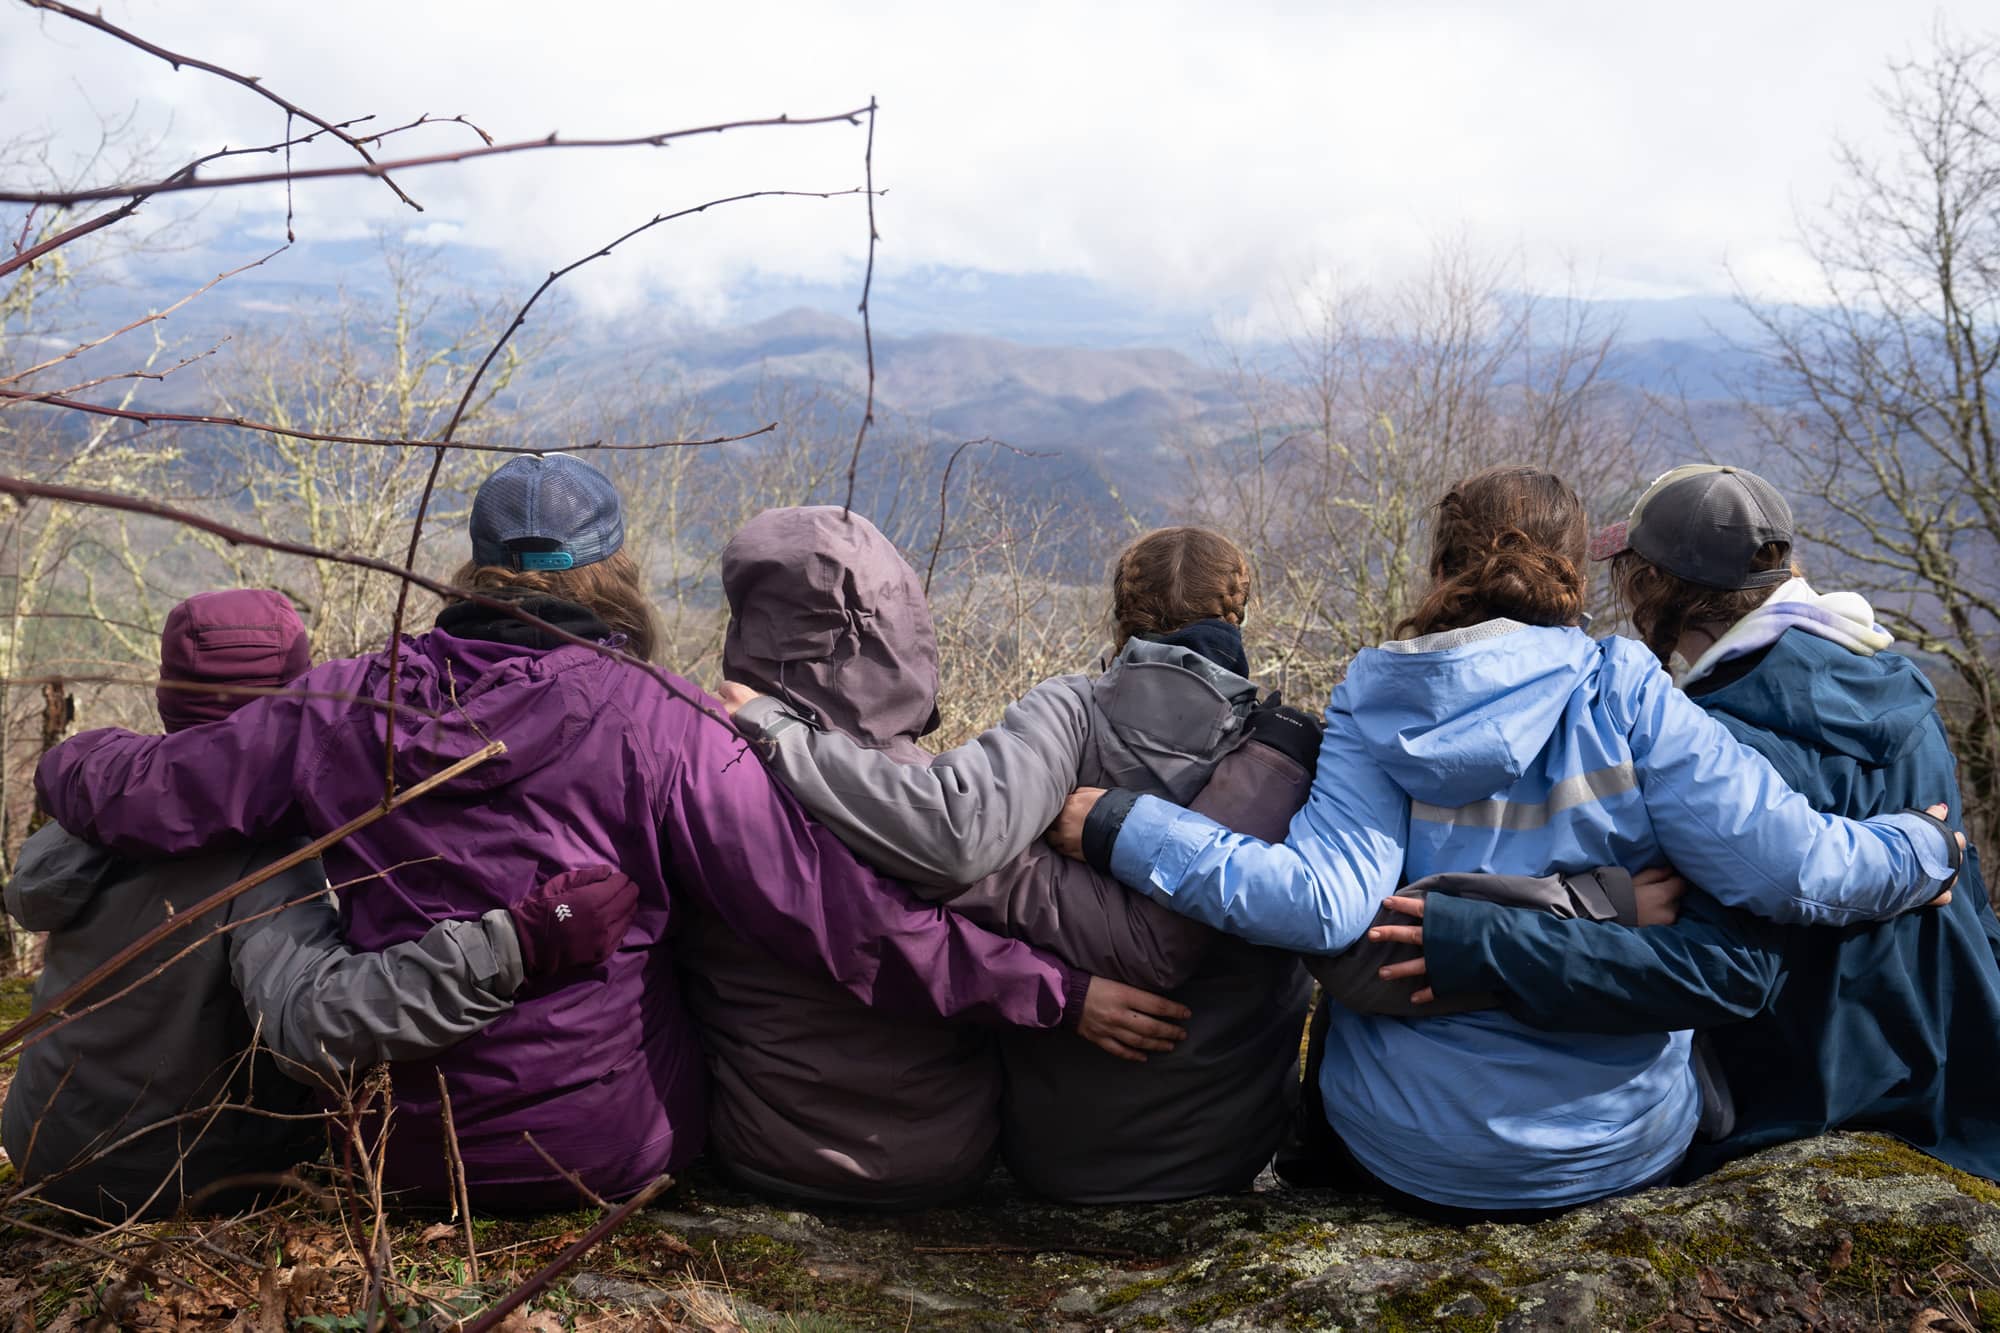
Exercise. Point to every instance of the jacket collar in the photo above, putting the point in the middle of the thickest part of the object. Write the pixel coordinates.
(469, 620)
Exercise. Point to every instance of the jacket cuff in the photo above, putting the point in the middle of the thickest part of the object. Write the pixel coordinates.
(1455, 961)
(766, 718)
(1101, 826)
(1939, 872)
(1076, 985)
(505, 971)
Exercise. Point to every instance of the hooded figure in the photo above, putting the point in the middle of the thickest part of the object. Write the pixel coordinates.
(607, 763)
(815, 1096)
(114, 1112)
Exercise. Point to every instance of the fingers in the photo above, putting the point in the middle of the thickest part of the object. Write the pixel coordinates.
(734, 696)
(1111, 1046)
(1159, 1006)
(1424, 996)
(1398, 934)
(1399, 971)
(1654, 875)
(1938, 811)
(1941, 900)
(1150, 1034)
(1407, 906)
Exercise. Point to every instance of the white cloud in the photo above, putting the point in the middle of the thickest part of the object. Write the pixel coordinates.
(1192, 153)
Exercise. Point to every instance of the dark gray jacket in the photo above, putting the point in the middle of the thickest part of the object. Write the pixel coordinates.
(1077, 1123)
(117, 1111)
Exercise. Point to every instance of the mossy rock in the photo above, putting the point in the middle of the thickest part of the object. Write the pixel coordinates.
(1848, 1231)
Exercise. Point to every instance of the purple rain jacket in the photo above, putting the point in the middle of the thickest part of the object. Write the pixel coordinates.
(603, 765)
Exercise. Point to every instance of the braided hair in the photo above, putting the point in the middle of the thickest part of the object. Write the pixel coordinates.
(1175, 576)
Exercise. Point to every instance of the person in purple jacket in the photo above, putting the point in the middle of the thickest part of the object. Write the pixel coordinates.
(594, 1072)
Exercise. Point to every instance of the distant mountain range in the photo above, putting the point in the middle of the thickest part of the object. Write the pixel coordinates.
(1106, 384)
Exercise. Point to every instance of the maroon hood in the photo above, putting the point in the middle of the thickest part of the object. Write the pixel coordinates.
(246, 637)
(825, 614)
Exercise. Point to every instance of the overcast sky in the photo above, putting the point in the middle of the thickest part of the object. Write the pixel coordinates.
(1194, 155)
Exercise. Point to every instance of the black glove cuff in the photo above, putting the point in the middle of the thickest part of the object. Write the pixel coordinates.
(1291, 732)
(1954, 853)
(1102, 824)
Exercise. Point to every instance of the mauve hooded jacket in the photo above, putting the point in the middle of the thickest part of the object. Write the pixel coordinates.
(604, 765)
(831, 623)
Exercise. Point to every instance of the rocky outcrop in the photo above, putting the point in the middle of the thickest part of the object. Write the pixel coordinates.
(1843, 1232)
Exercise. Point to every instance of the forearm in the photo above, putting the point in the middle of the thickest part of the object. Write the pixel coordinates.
(325, 1006)
(1087, 919)
(1314, 893)
(743, 847)
(1583, 976)
(947, 823)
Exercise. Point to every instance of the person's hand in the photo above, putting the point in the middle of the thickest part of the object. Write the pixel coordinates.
(1127, 1022)
(574, 920)
(1658, 891)
(1942, 811)
(1066, 834)
(1415, 969)
(734, 696)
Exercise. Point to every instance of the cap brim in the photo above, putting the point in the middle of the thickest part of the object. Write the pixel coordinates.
(1612, 539)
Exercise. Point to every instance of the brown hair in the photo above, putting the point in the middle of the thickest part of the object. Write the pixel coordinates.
(610, 589)
(1175, 576)
(1510, 542)
(1663, 606)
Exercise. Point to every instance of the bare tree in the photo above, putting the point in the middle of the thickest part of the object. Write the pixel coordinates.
(1375, 400)
(1881, 389)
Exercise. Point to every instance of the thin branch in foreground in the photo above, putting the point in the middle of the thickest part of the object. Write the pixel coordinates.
(563, 1262)
(867, 328)
(138, 323)
(176, 184)
(944, 492)
(29, 398)
(444, 441)
(251, 82)
(96, 976)
(22, 488)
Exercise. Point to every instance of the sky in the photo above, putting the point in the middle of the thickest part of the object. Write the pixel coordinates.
(1189, 156)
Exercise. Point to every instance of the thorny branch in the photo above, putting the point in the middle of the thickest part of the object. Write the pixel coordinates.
(27, 397)
(867, 329)
(443, 442)
(944, 492)
(10, 1039)
(175, 184)
(252, 82)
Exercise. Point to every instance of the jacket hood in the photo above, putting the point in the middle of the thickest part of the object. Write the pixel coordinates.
(477, 690)
(1168, 697)
(1842, 618)
(825, 614)
(56, 877)
(1874, 708)
(1456, 716)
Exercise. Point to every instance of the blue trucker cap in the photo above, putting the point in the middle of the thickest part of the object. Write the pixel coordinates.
(546, 511)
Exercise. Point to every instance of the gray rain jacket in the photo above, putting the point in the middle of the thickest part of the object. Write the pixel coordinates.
(115, 1112)
(830, 623)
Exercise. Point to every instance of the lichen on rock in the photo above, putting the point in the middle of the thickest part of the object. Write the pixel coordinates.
(1848, 1231)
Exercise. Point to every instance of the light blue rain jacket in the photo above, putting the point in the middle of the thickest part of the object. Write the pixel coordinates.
(1518, 750)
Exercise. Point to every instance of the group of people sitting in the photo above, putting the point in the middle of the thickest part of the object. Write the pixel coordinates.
(1586, 914)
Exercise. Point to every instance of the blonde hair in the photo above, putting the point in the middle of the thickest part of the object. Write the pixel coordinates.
(610, 589)
(1509, 542)
(1175, 576)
